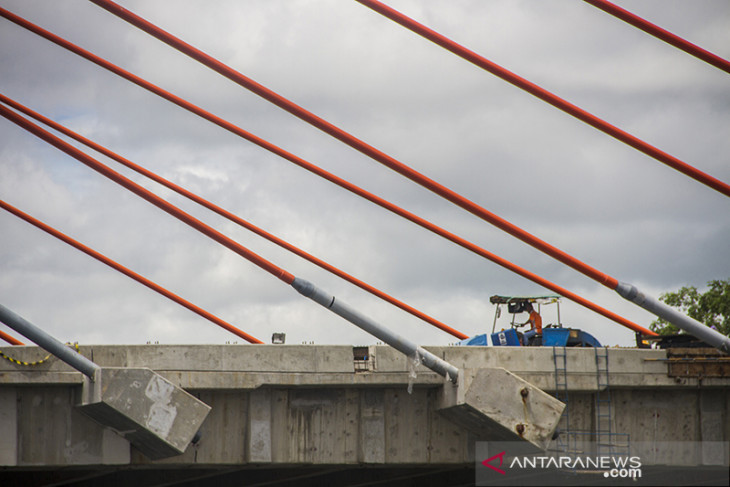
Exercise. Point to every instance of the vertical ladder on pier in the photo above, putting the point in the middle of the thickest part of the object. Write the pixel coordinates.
(604, 442)
(563, 441)
(608, 442)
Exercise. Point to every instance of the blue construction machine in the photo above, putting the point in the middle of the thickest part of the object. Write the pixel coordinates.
(553, 335)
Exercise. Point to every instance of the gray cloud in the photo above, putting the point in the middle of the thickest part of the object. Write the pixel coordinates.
(573, 186)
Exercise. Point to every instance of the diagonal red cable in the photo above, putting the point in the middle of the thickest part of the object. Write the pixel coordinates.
(232, 217)
(547, 97)
(320, 172)
(128, 272)
(10, 339)
(356, 143)
(409, 172)
(222, 239)
(477, 210)
(660, 33)
(147, 195)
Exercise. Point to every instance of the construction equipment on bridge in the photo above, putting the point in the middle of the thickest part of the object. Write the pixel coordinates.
(552, 335)
(157, 417)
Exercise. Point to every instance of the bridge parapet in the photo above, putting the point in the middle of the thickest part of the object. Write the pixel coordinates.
(250, 366)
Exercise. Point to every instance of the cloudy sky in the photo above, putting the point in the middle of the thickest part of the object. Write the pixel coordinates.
(577, 188)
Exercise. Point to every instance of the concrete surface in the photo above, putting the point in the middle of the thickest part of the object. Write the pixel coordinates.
(158, 418)
(495, 404)
(289, 406)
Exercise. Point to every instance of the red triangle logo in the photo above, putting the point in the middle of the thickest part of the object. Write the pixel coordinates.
(501, 460)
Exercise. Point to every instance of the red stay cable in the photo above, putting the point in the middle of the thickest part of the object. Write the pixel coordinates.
(320, 172)
(128, 272)
(147, 195)
(84, 158)
(10, 339)
(660, 33)
(547, 97)
(356, 143)
(410, 173)
(232, 217)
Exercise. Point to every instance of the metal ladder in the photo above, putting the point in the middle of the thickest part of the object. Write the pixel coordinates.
(563, 441)
(604, 443)
(607, 442)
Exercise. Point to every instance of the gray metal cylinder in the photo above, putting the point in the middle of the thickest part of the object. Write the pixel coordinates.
(358, 319)
(691, 326)
(49, 343)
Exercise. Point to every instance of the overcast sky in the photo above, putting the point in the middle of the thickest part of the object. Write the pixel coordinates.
(575, 187)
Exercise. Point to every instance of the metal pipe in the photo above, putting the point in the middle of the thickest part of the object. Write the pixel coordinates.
(47, 342)
(660, 33)
(691, 326)
(403, 345)
(497, 314)
(326, 175)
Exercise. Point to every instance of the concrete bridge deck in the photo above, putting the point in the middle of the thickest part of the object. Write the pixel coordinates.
(304, 414)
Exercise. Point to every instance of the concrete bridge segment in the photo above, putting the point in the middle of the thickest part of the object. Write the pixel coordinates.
(316, 412)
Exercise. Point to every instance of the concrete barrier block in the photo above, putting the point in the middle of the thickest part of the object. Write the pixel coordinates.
(496, 405)
(155, 416)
